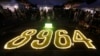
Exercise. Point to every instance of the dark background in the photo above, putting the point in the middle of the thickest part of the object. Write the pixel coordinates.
(84, 3)
(14, 27)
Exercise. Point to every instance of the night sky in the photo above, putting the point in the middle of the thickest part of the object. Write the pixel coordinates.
(58, 2)
(95, 4)
(47, 2)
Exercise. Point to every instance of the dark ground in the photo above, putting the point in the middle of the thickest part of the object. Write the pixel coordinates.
(79, 49)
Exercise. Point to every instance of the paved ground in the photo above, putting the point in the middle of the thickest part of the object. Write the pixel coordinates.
(9, 32)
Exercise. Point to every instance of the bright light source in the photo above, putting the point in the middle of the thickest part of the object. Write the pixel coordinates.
(16, 6)
(46, 8)
(12, 7)
(9, 7)
(48, 25)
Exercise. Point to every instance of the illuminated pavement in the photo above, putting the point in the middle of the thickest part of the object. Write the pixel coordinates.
(9, 32)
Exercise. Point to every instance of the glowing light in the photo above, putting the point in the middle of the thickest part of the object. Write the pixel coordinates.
(45, 8)
(44, 38)
(79, 37)
(16, 6)
(11, 7)
(46, 35)
(25, 36)
(89, 10)
(48, 25)
(59, 34)
(68, 6)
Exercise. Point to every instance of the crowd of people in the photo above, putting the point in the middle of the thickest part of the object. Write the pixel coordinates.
(8, 17)
(73, 15)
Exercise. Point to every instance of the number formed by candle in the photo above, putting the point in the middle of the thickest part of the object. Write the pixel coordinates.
(20, 40)
(46, 36)
(62, 34)
(61, 40)
(80, 37)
